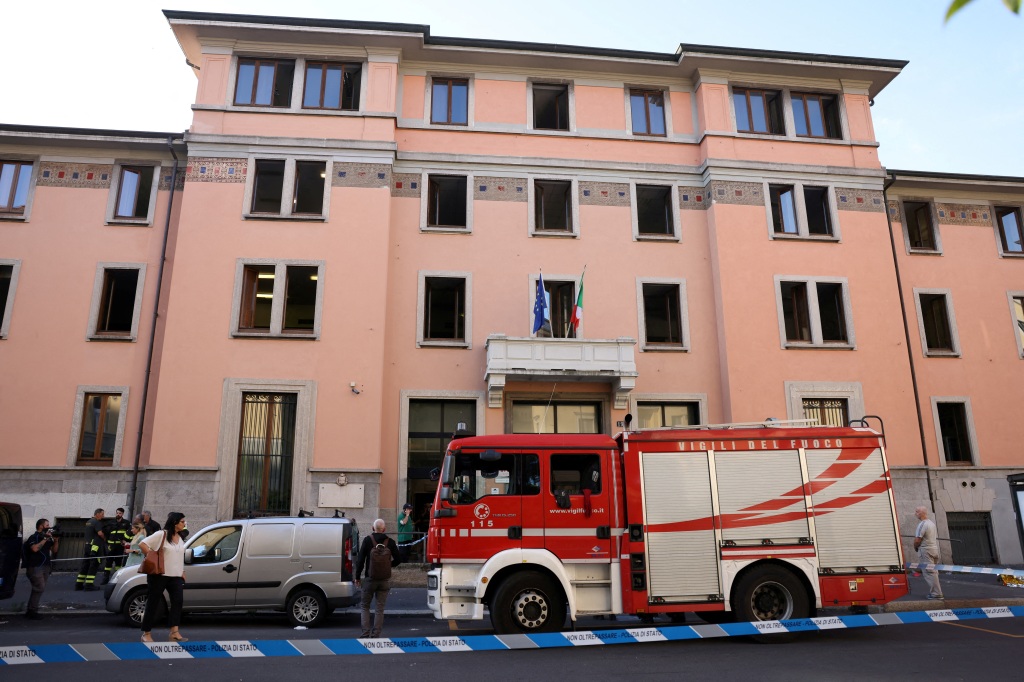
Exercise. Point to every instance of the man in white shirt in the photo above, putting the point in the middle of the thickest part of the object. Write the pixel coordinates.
(927, 546)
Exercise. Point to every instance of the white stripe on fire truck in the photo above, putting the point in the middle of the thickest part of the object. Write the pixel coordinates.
(127, 651)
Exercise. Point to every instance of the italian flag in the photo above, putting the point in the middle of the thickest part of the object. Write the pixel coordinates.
(577, 309)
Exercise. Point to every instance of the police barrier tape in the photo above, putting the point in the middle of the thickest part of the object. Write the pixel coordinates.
(967, 569)
(138, 651)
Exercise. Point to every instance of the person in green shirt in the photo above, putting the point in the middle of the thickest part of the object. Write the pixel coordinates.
(406, 529)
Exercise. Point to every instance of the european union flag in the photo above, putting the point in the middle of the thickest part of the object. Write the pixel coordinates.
(539, 306)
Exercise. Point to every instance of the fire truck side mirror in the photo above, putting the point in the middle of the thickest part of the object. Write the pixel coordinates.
(562, 499)
(446, 492)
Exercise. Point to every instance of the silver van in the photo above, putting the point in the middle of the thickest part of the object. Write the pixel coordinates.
(302, 566)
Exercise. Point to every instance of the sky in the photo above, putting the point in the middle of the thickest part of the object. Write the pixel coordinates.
(958, 107)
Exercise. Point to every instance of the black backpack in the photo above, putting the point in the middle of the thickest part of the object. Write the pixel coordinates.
(380, 559)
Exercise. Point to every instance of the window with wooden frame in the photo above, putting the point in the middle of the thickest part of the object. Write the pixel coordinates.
(279, 299)
(936, 323)
(819, 210)
(1016, 309)
(332, 86)
(801, 211)
(101, 413)
(647, 109)
(813, 312)
(6, 284)
(656, 415)
(134, 190)
(308, 190)
(15, 181)
(444, 309)
(264, 82)
(446, 201)
(550, 106)
(827, 411)
(560, 298)
(758, 111)
(919, 225)
(117, 302)
(654, 215)
(552, 205)
(268, 186)
(1010, 235)
(783, 205)
(816, 116)
(449, 101)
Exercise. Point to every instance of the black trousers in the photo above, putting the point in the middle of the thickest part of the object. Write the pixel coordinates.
(157, 584)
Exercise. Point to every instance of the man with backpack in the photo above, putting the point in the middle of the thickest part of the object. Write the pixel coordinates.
(378, 554)
(38, 551)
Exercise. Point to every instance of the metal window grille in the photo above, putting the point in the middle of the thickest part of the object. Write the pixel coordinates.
(266, 449)
(827, 411)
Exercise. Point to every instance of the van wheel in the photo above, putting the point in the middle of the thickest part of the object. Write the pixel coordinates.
(133, 608)
(770, 593)
(307, 608)
(527, 602)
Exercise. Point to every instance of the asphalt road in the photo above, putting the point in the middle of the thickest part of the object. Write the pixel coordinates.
(977, 649)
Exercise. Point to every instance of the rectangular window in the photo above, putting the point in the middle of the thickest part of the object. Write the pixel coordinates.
(758, 111)
(449, 101)
(917, 216)
(647, 108)
(279, 299)
(816, 116)
(814, 312)
(654, 210)
(101, 413)
(783, 206)
(558, 417)
(662, 314)
(1016, 301)
(550, 106)
(15, 177)
(819, 211)
(268, 186)
(561, 296)
(264, 82)
(658, 415)
(134, 188)
(827, 411)
(444, 309)
(446, 201)
(938, 331)
(1010, 234)
(117, 302)
(552, 205)
(266, 454)
(431, 425)
(6, 278)
(332, 86)
(308, 193)
(956, 443)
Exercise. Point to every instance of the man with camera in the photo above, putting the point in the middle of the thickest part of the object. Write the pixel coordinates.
(39, 550)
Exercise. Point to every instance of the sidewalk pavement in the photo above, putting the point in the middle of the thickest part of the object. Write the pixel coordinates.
(961, 590)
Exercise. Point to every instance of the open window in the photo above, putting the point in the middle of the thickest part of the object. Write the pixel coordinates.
(816, 115)
(936, 322)
(813, 312)
(663, 315)
(447, 202)
(9, 271)
(288, 188)
(15, 186)
(655, 212)
(920, 227)
(264, 82)
(332, 86)
(1011, 230)
(444, 310)
(758, 111)
(554, 207)
(117, 301)
(550, 106)
(278, 299)
(801, 210)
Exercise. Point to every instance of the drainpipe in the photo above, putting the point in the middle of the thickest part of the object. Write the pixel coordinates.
(906, 333)
(152, 331)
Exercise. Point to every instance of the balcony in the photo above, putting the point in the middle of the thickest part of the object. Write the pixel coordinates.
(531, 359)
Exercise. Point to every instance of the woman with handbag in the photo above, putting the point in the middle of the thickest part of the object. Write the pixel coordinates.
(165, 566)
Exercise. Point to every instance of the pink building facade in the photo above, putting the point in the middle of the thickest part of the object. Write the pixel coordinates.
(361, 218)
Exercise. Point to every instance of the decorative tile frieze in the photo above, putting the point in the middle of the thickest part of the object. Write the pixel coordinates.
(165, 180)
(405, 185)
(859, 200)
(361, 175)
(894, 212)
(604, 194)
(693, 199)
(740, 193)
(87, 175)
(488, 188)
(202, 169)
(964, 214)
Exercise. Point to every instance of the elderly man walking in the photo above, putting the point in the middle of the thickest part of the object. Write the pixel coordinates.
(927, 546)
(378, 554)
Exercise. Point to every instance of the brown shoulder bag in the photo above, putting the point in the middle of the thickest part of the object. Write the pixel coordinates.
(153, 564)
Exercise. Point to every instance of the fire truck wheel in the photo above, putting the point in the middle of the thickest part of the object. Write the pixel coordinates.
(770, 593)
(527, 602)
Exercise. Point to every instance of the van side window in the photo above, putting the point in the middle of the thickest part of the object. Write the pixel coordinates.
(510, 474)
(575, 473)
(214, 546)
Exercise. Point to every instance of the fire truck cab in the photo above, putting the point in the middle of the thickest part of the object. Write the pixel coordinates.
(764, 523)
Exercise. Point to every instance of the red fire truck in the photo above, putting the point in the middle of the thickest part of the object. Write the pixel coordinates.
(753, 522)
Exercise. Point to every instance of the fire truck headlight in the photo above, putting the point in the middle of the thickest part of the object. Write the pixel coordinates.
(431, 582)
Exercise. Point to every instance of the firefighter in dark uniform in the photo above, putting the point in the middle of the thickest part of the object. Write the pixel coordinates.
(95, 546)
(117, 532)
